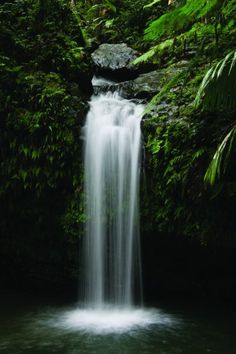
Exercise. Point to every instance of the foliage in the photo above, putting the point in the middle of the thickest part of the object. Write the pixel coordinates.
(221, 158)
(177, 150)
(40, 112)
(217, 91)
(179, 18)
(114, 21)
(44, 70)
(190, 28)
(178, 45)
(166, 88)
(176, 153)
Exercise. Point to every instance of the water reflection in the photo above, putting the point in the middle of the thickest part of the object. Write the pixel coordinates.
(31, 329)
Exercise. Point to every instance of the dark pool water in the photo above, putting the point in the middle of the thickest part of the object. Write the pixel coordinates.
(33, 325)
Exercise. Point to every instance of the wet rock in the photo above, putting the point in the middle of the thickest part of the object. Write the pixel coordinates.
(145, 86)
(115, 61)
(114, 56)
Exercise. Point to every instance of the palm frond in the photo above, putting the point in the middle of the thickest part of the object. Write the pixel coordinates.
(223, 65)
(233, 63)
(220, 161)
(218, 88)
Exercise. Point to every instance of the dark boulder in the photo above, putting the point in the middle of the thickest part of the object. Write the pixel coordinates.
(115, 61)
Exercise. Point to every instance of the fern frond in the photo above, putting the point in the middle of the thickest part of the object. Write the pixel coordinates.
(221, 158)
(158, 49)
(179, 17)
(146, 56)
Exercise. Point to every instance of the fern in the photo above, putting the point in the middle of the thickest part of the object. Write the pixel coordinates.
(179, 18)
(201, 29)
(158, 49)
(221, 158)
(146, 56)
(217, 90)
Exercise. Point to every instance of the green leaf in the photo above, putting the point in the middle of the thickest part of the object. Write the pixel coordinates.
(220, 161)
(23, 175)
(152, 4)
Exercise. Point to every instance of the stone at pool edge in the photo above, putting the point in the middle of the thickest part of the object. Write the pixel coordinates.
(115, 61)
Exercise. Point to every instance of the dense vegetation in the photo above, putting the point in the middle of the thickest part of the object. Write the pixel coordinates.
(44, 85)
(182, 145)
(45, 73)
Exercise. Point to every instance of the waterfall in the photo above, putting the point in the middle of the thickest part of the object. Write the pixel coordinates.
(112, 169)
(111, 260)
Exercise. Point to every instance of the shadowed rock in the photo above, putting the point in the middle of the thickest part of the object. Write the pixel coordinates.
(145, 86)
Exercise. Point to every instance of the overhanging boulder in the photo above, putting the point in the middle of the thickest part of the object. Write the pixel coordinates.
(115, 61)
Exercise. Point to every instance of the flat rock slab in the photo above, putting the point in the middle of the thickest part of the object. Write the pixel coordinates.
(145, 86)
(115, 59)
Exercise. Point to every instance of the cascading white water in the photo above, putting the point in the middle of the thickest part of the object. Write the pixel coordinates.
(112, 168)
(111, 249)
